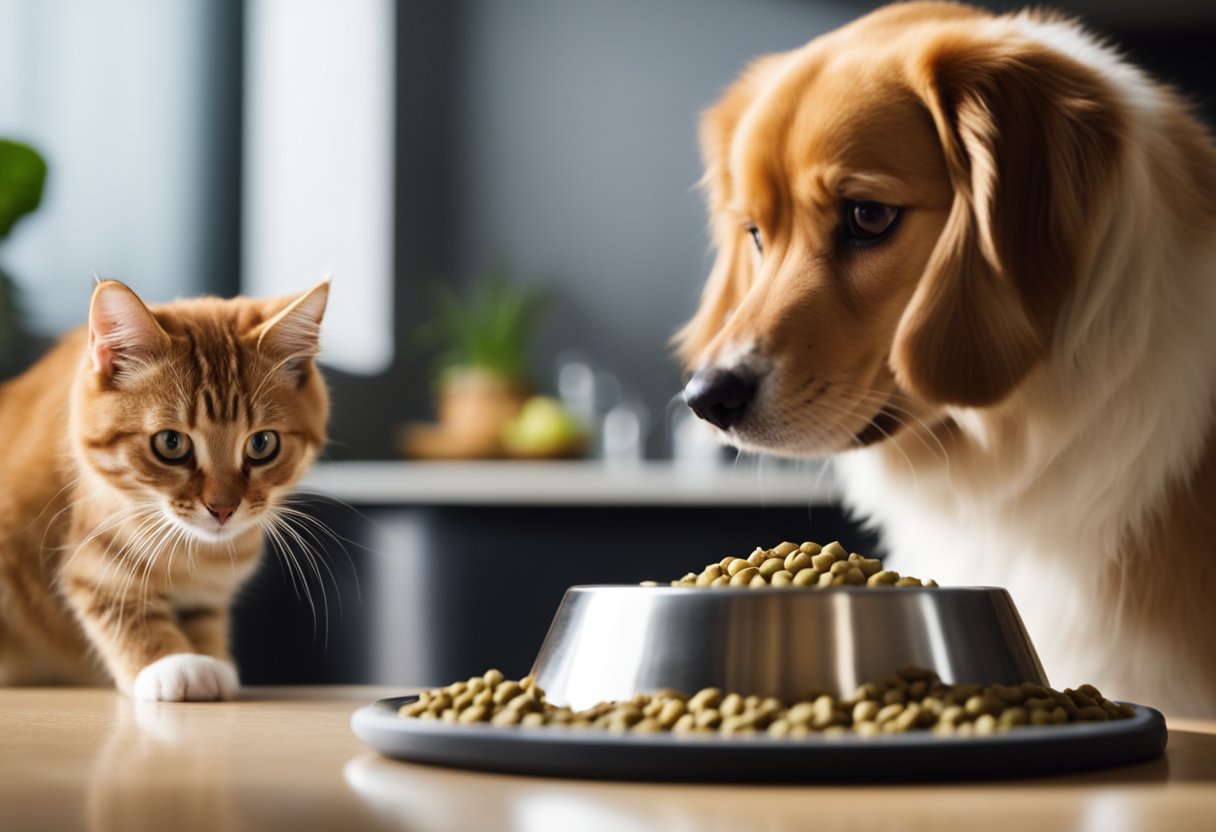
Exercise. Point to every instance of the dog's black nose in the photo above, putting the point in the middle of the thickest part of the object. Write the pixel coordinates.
(720, 397)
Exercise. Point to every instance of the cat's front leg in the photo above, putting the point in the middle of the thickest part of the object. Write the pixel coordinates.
(143, 645)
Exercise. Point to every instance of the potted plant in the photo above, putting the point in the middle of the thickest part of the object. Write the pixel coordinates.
(22, 175)
(481, 367)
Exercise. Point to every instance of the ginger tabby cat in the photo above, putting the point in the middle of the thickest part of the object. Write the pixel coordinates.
(143, 457)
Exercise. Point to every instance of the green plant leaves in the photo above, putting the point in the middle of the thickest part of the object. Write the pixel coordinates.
(490, 330)
(22, 175)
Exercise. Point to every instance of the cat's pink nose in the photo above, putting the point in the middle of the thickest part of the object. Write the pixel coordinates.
(221, 512)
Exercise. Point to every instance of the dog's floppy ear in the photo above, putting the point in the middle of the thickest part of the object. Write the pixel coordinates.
(731, 275)
(1030, 138)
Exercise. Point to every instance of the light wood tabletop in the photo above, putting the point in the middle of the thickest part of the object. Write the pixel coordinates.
(286, 758)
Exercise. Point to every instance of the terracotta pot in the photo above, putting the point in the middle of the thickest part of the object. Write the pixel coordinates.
(473, 405)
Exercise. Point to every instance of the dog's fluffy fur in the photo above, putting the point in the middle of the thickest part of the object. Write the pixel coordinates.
(1033, 346)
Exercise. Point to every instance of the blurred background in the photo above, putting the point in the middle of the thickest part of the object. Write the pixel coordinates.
(505, 196)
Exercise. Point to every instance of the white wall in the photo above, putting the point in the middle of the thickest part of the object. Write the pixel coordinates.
(318, 165)
(110, 93)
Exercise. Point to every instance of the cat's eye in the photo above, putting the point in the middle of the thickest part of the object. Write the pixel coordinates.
(171, 446)
(869, 222)
(263, 446)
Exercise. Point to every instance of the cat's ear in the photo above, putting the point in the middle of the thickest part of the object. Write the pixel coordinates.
(123, 334)
(294, 332)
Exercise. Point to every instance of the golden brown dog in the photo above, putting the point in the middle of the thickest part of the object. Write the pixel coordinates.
(978, 253)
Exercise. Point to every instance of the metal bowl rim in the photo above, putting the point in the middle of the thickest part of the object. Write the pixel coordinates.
(790, 590)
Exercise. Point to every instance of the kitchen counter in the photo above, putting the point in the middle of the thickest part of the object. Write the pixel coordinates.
(285, 758)
(750, 482)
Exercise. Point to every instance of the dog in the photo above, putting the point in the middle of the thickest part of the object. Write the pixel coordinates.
(974, 257)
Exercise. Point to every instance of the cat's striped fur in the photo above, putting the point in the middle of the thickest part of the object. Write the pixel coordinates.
(116, 561)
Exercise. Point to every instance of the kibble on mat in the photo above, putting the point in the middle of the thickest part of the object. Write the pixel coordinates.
(913, 699)
(792, 564)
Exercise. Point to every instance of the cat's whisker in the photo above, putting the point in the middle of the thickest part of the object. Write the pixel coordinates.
(136, 548)
(303, 550)
(290, 557)
(311, 525)
(118, 561)
(313, 547)
(304, 498)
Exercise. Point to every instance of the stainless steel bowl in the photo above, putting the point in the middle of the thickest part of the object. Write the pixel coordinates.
(610, 642)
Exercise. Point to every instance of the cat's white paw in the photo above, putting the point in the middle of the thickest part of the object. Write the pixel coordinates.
(186, 677)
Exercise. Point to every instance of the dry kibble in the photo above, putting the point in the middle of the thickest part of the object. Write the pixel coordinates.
(865, 711)
(867, 729)
(779, 728)
(771, 567)
(732, 705)
(744, 576)
(977, 705)
(823, 561)
(801, 714)
(913, 699)
(882, 579)
(685, 724)
(986, 724)
(507, 716)
(894, 696)
(1013, 717)
(505, 692)
(672, 711)
(807, 577)
(795, 562)
(796, 565)
(477, 713)
(870, 566)
(704, 699)
(889, 712)
(836, 550)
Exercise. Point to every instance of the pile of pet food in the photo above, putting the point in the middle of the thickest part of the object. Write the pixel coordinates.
(791, 564)
(913, 699)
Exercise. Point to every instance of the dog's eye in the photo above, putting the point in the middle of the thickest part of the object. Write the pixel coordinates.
(755, 232)
(868, 221)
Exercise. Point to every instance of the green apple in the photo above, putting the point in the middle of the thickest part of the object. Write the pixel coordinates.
(543, 426)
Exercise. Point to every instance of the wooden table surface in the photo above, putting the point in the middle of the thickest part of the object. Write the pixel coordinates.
(285, 758)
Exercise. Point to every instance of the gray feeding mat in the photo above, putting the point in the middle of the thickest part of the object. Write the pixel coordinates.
(914, 756)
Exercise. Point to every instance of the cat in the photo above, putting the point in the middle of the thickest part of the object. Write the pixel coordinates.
(140, 461)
